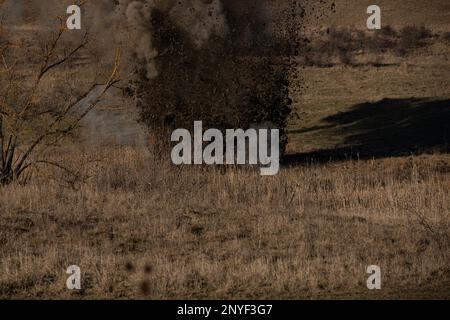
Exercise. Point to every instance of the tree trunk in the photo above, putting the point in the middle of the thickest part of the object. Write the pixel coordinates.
(6, 158)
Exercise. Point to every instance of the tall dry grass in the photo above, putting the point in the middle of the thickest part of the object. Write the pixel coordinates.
(140, 228)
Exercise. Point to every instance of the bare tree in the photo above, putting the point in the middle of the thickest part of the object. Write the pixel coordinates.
(36, 109)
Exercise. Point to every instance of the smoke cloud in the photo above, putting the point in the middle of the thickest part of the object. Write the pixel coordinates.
(198, 18)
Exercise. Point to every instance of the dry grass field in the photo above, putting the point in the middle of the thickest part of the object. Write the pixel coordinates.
(366, 182)
(139, 228)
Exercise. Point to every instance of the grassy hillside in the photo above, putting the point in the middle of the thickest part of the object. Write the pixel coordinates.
(404, 105)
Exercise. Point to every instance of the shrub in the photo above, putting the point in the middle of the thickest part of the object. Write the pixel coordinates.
(341, 44)
(412, 37)
(446, 36)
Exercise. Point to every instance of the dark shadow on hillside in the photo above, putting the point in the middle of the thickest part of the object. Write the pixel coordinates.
(390, 127)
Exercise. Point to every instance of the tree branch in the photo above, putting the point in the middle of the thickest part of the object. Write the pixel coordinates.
(112, 80)
(2, 155)
(46, 68)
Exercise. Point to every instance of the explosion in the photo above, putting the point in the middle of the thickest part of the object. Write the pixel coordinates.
(217, 61)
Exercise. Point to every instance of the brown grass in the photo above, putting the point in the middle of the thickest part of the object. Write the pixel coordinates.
(139, 228)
